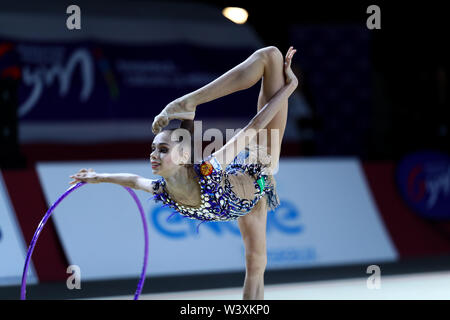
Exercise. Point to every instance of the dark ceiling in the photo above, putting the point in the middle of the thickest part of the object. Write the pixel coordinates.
(402, 21)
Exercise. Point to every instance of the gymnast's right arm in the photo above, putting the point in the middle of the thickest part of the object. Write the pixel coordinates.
(124, 179)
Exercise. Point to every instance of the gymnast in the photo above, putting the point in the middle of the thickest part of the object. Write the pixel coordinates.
(229, 183)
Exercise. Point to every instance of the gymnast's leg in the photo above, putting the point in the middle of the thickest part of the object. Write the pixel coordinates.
(253, 231)
(253, 225)
(266, 63)
(258, 65)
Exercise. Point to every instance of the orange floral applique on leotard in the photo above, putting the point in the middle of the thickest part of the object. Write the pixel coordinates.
(206, 168)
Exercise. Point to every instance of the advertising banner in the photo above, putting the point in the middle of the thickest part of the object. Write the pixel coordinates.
(326, 217)
(423, 179)
(90, 91)
(88, 80)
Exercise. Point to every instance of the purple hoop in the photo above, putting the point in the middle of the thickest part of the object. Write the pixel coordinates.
(49, 213)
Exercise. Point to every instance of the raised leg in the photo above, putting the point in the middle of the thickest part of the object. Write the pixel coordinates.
(273, 80)
(253, 231)
(266, 63)
(241, 77)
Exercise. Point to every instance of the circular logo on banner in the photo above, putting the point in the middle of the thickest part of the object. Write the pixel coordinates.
(423, 179)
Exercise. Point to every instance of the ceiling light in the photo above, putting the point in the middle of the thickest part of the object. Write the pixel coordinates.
(237, 15)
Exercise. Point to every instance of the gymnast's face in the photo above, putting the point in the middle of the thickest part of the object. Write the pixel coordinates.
(165, 156)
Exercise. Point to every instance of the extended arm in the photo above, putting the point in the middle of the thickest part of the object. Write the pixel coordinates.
(237, 143)
(278, 101)
(124, 179)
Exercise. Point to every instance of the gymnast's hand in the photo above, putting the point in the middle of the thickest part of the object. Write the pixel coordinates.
(89, 176)
(289, 74)
(182, 109)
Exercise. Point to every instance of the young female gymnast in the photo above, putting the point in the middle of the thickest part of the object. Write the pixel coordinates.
(222, 187)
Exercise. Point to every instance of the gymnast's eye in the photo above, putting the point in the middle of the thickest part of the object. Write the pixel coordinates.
(163, 149)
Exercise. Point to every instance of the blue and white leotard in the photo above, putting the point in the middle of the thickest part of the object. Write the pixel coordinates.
(227, 194)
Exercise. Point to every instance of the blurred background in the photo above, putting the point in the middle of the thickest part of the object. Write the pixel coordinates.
(364, 173)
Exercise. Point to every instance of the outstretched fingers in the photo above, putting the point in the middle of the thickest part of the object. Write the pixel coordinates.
(288, 59)
(289, 74)
(80, 176)
(288, 52)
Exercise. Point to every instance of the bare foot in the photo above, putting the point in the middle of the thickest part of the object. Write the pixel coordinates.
(182, 108)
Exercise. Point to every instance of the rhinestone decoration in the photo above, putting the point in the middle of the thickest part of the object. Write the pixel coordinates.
(218, 200)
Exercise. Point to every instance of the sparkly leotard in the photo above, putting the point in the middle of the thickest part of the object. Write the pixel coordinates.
(221, 198)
